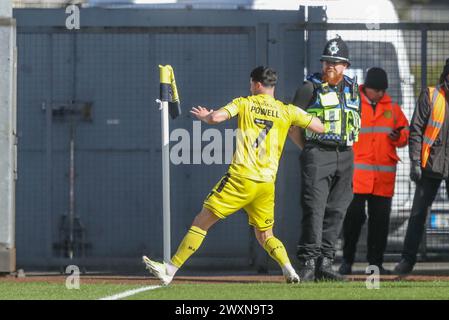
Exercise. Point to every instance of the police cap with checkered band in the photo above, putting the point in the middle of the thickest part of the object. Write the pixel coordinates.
(336, 50)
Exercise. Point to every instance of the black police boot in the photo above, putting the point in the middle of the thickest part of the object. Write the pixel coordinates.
(403, 267)
(345, 268)
(324, 271)
(383, 271)
(306, 270)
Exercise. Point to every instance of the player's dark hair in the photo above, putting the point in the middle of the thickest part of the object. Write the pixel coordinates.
(266, 76)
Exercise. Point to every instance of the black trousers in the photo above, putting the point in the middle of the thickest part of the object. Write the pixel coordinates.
(379, 209)
(326, 194)
(426, 190)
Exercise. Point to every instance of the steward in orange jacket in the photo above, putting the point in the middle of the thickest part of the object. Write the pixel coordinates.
(375, 156)
(429, 157)
(384, 128)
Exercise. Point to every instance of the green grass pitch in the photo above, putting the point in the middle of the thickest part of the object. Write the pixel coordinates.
(435, 290)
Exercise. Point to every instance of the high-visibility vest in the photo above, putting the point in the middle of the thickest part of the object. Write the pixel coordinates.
(375, 156)
(338, 111)
(435, 122)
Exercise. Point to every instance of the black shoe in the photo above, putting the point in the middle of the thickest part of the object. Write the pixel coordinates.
(403, 267)
(325, 272)
(345, 268)
(383, 271)
(306, 270)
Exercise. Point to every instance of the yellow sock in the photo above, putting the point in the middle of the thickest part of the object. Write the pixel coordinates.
(277, 251)
(191, 242)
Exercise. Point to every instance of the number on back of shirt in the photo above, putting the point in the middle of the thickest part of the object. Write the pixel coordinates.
(266, 125)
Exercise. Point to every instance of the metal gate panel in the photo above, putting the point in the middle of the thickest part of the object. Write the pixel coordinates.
(32, 227)
(118, 154)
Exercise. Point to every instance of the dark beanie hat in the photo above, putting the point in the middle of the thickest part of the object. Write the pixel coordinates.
(376, 78)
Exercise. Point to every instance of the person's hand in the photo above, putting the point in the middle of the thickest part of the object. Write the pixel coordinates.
(201, 113)
(394, 135)
(415, 171)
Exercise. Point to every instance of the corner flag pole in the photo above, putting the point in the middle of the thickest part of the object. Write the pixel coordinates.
(168, 104)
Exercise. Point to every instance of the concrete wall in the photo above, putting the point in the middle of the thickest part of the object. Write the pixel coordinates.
(7, 136)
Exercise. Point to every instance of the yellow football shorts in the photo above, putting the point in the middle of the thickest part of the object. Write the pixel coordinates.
(233, 193)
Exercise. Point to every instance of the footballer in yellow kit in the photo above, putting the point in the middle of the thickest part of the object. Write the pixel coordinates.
(263, 124)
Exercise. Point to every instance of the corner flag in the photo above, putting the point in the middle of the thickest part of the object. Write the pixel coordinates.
(168, 90)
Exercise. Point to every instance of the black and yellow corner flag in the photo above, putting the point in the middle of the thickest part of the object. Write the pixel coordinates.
(168, 90)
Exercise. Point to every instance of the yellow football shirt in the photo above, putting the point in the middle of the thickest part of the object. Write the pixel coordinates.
(263, 124)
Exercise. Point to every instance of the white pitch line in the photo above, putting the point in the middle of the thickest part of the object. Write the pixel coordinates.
(130, 293)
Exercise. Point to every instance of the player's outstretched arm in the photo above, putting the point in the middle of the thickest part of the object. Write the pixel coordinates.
(210, 116)
(316, 125)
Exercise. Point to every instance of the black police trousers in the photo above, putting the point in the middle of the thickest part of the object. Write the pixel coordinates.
(326, 194)
(426, 190)
(379, 209)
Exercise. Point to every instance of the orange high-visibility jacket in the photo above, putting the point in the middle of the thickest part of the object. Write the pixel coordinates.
(435, 123)
(375, 156)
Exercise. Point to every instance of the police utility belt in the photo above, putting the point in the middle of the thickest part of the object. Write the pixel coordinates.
(339, 112)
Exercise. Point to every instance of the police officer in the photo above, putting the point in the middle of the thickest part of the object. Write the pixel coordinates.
(327, 160)
(429, 156)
